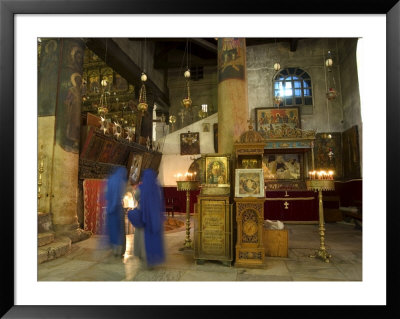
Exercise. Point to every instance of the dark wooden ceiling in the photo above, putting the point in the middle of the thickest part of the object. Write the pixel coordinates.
(171, 52)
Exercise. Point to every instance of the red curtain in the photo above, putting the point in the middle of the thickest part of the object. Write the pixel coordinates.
(180, 198)
(94, 205)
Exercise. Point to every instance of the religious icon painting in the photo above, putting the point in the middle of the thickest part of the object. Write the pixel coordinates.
(231, 59)
(190, 143)
(283, 166)
(249, 182)
(206, 127)
(134, 167)
(217, 170)
(273, 122)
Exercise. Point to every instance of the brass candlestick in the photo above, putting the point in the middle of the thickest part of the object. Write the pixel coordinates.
(320, 185)
(41, 170)
(187, 186)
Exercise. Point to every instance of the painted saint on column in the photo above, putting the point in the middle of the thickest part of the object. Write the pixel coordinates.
(231, 58)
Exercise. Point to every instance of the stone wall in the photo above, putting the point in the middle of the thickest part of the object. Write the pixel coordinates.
(324, 116)
(203, 91)
(172, 162)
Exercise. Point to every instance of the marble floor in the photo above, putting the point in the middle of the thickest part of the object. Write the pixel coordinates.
(88, 260)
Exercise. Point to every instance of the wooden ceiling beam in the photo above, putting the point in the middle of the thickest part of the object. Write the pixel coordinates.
(293, 44)
(122, 63)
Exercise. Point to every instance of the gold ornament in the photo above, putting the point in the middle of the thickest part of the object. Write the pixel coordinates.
(104, 124)
(117, 130)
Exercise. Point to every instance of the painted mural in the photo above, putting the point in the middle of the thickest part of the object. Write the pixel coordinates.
(47, 78)
(231, 58)
(278, 122)
(68, 112)
(328, 153)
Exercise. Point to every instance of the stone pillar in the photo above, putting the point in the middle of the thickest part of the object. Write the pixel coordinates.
(60, 117)
(232, 92)
(47, 99)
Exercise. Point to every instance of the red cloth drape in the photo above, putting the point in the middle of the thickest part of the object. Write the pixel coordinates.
(180, 198)
(94, 205)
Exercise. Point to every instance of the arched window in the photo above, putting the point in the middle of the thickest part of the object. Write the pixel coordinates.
(294, 86)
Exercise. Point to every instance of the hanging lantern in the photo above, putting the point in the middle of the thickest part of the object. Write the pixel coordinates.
(330, 154)
(278, 100)
(172, 119)
(102, 110)
(331, 94)
(187, 74)
(329, 61)
(187, 102)
(104, 82)
(277, 66)
(142, 106)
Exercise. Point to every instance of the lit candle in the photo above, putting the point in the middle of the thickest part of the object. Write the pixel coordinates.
(195, 173)
(179, 176)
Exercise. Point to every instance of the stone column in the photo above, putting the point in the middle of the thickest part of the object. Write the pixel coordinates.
(47, 99)
(63, 121)
(232, 92)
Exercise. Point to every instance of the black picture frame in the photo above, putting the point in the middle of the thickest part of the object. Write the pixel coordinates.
(8, 10)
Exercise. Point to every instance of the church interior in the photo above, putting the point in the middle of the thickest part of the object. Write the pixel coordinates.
(256, 142)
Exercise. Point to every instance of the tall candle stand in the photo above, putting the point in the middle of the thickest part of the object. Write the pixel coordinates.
(187, 186)
(41, 170)
(320, 185)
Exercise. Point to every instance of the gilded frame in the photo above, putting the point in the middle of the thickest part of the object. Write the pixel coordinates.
(217, 170)
(249, 182)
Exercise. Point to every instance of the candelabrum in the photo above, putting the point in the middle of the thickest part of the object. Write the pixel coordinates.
(188, 185)
(318, 185)
(41, 170)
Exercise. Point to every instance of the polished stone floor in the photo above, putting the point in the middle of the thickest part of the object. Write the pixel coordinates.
(90, 261)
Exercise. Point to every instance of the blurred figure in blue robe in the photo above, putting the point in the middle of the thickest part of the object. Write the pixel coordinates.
(115, 221)
(148, 219)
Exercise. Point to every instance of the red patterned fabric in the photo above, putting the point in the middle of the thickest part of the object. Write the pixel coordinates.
(94, 205)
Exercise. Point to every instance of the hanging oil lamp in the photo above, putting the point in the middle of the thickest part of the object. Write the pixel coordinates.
(187, 102)
(331, 94)
(142, 106)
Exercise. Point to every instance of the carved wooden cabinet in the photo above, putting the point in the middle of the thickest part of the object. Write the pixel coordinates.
(249, 221)
(213, 229)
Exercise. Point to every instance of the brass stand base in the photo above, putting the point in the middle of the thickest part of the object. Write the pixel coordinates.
(321, 185)
(187, 245)
(187, 186)
(322, 254)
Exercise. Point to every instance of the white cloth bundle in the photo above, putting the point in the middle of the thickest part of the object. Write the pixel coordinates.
(269, 224)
